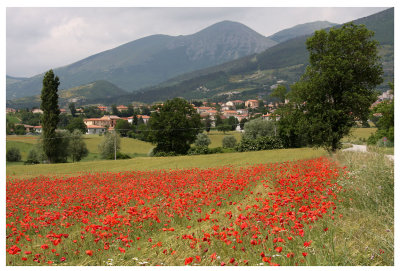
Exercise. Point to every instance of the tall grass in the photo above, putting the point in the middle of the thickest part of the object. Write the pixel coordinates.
(364, 235)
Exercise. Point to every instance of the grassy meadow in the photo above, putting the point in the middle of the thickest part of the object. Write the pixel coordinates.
(336, 239)
(176, 162)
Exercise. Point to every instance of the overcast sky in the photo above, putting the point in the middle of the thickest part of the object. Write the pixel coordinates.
(38, 39)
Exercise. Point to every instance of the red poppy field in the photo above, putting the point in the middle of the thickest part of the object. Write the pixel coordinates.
(265, 214)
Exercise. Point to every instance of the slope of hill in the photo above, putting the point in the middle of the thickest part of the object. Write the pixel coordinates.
(80, 95)
(153, 59)
(254, 75)
(300, 30)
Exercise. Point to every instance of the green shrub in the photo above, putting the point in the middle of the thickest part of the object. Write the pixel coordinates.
(229, 142)
(13, 155)
(196, 150)
(202, 140)
(33, 157)
(260, 143)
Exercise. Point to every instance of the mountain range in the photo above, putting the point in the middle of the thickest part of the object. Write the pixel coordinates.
(250, 76)
(255, 75)
(154, 59)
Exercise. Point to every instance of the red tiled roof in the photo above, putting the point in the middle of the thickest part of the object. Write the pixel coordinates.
(94, 126)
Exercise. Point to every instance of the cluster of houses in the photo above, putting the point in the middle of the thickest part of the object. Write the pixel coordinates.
(108, 122)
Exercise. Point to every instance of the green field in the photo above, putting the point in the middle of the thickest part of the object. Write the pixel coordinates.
(359, 135)
(176, 162)
(139, 150)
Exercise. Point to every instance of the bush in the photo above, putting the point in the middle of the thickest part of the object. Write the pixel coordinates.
(13, 155)
(202, 140)
(119, 155)
(163, 154)
(229, 142)
(260, 128)
(107, 146)
(260, 143)
(33, 157)
(196, 150)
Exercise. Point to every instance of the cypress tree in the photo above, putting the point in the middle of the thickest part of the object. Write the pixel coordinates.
(50, 117)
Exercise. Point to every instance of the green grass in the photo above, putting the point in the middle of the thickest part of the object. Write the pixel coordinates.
(147, 163)
(23, 147)
(365, 233)
(128, 145)
(217, 137)
(359, 135)
(12, 118)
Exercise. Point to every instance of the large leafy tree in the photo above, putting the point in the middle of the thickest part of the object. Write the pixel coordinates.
(174, 126)
(50, 117)
(337, 87)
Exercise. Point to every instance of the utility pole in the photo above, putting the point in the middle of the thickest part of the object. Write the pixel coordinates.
(115, 144)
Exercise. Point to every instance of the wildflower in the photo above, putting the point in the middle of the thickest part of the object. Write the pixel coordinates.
(89, 252)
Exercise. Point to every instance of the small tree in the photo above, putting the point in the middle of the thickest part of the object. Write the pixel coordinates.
(33, 157)
(260, 128)
(207, 124)
(202, 140)
(242, 122)
(77, 147)
(13, 155)
(110, 145)
(123, 127)
(174, 126)
(77, 124)
(229, 142)
(72, 109)
(279, 93)
(50, 115)
(232, 122)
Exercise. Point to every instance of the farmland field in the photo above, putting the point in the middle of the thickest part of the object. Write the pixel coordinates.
(278, 207)
(287, 213)
(216, 216)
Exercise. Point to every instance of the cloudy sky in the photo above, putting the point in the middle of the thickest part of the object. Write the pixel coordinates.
(38, 38)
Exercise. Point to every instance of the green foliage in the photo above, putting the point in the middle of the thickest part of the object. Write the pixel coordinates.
(198, 150)
(384, 122)
(141, 132)
(111, 143)
(123, 127)
(19, 130)
(13, 155)
(62, 148)
(77, 148)
(93, 112)
(232, 122)
(229, 142)
(338, 85)
(72, 108)
(202, 140)
(259, 143)
(259, 128)
(50, 117)
(292, 126)
(77, 124)
(242, 122)
(174, 127)
(33, 157)
(207, 123)
(30, 118)
(279, 93)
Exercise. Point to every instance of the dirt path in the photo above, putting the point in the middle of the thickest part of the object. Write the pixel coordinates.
(363, 148)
